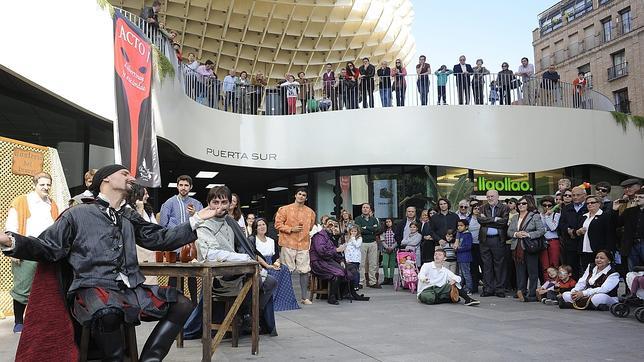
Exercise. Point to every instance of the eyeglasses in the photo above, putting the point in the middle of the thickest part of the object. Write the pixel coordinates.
(504, 66)
(546, 205)
(462, 207)
(601, 189)
(567, 195)
(522, 203)
(591, 202)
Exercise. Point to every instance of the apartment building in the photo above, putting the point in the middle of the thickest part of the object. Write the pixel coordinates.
(602, 38)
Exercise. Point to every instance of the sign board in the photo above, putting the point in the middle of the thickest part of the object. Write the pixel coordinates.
(503, 186)
(25, 162)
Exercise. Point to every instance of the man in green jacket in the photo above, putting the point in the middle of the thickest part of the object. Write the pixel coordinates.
(369, 227)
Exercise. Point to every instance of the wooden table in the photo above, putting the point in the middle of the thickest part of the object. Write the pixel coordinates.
(207, 271)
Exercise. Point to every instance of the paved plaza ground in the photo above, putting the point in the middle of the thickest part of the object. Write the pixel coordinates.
(394, 327)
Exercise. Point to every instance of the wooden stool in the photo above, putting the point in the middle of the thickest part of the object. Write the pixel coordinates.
(316, 287)
(130, 342)
(234, 325)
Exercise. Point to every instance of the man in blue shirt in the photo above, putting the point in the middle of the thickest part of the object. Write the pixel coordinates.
(176, 210)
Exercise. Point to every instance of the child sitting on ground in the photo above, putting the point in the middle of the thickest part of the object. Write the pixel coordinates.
(409, 274)
(450, 253)
(563, 284)
(548, 285)
(463, 246)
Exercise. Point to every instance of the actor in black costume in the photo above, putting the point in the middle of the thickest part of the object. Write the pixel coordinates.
(98, 241)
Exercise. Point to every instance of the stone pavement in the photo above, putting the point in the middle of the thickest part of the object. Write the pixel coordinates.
(394, 327)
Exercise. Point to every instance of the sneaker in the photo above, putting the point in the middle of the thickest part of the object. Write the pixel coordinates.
(520, 296)
(472, 302)
(544, 300)
(306, 301)
(375, 286)
(550, 302)
(17, 328)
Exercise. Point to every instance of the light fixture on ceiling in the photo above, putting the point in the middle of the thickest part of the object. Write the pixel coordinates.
(207, 174)
(278, 188)
(192, 193)
(301, 184)
(245, 207)
(172, 184)
(214, 185)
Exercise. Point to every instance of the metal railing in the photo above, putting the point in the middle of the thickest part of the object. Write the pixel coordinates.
(245, 97)
(617, 71)
(280, 98)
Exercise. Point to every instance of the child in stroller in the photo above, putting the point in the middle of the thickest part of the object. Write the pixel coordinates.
(407, 270)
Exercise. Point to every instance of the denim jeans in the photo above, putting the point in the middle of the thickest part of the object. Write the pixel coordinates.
(466, 275)
(636, 256)
(385, 97)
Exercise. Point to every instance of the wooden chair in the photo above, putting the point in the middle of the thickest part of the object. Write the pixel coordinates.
(130, 344)
(235, 325)
(318, 286)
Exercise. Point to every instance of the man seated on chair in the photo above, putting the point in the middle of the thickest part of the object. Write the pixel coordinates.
(98, 241)
(328, 264)
(435, 283)
(222, 239)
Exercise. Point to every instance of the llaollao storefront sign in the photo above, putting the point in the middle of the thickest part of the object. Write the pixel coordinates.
(506, 185)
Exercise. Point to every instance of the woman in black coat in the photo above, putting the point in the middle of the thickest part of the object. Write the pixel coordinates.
(595, 228)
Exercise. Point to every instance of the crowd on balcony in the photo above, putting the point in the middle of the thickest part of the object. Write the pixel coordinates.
(357, 87)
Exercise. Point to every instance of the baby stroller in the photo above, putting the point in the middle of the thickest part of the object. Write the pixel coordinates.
(635, 302)
(407, 277)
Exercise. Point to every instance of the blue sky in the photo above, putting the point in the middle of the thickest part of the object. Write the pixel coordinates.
(493, 30)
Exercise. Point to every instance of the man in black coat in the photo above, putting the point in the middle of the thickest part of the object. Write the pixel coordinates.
(462, 71)
(632, 219)
(427, 244)
(367, 83)
(571, 217)
(494, 224)
(401, 230)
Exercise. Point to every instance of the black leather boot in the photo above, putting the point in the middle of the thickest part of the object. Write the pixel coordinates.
(108, 337)
(160, 341)
(563, 304)
(355, 295)
(333, 292)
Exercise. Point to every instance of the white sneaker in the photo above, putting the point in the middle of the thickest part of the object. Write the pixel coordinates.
(306, 301)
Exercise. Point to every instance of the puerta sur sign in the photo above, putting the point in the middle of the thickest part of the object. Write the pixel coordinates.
(504, 185)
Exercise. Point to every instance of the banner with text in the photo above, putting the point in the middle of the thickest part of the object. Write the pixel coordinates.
(135, 144)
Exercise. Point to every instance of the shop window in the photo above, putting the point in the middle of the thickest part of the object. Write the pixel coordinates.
(324, 192)
(546, 182)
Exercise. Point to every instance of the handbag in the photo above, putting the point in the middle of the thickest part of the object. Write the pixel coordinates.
(453, 293)
(515, 83)
(582, 303)
(533, 246)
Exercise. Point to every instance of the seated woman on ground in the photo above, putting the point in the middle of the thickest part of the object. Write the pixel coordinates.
(435, 283)
(597, 288)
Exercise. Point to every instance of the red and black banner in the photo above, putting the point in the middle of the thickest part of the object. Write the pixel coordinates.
(134, 136)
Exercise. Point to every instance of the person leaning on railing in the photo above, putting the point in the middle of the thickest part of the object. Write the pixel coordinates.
(328, 86)
(367, 84)
(384, 85)
(423, 70)
(550, 87)
(259, 83)
(441, 81)
(526, 72)
(242, 85)
(504, 81)
(579, 89)
(229, 91)
(306, 92)
(351, 83)
(478, 81)
(399, 72)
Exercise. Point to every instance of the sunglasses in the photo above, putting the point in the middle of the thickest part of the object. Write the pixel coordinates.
(601, 189)
(591, 202)
(463, 207)
(567, 195)
(522, 203)
(547, 205)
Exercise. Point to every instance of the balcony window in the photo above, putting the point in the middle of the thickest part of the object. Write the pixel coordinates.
(625, 18)
(618, 71)
(607, 25)
(622, 104)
